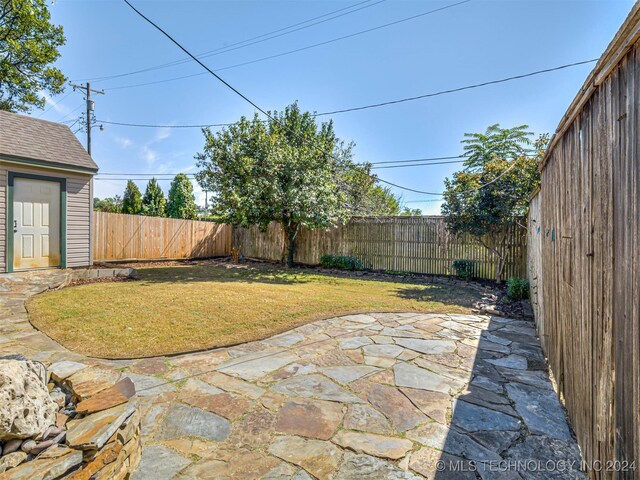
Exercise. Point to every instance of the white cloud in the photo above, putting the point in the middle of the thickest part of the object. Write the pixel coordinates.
(149, 155)
(123, 142)
(161, 134)
(55, 104)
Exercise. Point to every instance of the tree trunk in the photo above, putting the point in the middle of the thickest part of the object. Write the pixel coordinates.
(290, 235)
(502, 261)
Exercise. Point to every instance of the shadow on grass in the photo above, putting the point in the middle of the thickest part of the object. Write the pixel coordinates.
(449, 295)
(198, 273)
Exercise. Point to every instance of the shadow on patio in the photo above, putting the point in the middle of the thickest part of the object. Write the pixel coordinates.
(508, 423)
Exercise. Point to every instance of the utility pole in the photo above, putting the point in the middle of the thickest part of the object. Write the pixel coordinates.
(87, 91)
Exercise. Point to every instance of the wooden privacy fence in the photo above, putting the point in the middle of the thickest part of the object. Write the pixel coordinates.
(407, 244)
(127, 237)
(585, 258)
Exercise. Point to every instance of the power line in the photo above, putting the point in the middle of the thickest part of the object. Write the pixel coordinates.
(55, 104)
(289, 52)
(72, 111)
(459, 89)
(374, 105)
(143, 125)
(165, 176)
(418, 160)
(249, 41)
(424, 161)
(237, 92)
(418, 164)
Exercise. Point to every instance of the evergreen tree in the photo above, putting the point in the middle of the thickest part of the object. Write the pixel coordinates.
(132, 199)
(181, 203)
(154, 202)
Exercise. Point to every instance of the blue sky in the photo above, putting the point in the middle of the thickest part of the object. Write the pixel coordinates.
(470, 43)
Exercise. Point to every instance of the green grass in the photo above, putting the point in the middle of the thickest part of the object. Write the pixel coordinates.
(179, 309)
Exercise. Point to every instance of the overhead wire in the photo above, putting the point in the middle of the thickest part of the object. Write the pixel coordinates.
(289, 52)
(248, 41)
(268, 115)
(54, 104)
(72, 111)
(373, 105)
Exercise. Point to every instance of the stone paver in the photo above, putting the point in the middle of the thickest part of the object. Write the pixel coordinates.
(376, 396)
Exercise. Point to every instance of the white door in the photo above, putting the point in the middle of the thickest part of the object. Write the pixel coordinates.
(36, 214)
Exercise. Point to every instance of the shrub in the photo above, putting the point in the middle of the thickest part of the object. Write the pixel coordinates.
(465, 268)
(518, 288)
(341, 262)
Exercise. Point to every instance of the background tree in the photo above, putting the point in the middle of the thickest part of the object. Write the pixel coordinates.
(181, 202)
(132, 199)
(411, 212)
(154, 202)
(110, 204)
(293, 171)
(364, 196)
(498, 160)
(496, 142)
(28, 47)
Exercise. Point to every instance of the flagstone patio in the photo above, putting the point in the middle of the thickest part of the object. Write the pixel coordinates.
(376, 396)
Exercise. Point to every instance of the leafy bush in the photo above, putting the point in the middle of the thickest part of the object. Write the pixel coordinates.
(465, 268)
(341, 262)
(518, 288)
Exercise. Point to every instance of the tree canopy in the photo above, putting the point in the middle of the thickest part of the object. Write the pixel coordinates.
(181, 202)
(154, 201)
(293, 171)
(29, 45)
(109, 204)
(132, 199)
(411, 212)
(494, 187)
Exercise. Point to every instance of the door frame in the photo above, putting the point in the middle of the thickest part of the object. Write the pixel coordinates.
(63, 215)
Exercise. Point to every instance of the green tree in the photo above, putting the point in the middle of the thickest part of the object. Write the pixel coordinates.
(132, 199)
(411, 212)
(182, 202)
(292, 171)
(495, 143)
(379, 201)
(29, 45)
(489, 194)
(154, 202)
(110, 204)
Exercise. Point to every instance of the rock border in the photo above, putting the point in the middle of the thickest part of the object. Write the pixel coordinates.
(93, 273)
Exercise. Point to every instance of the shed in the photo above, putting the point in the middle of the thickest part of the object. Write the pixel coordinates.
(46, 195)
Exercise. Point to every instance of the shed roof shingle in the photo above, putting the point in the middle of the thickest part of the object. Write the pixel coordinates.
(31, 138)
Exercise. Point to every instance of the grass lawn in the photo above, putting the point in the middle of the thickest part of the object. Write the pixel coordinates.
(186, 308)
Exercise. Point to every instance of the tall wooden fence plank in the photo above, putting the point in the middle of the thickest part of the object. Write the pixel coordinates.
(584, 259)
(135, 237)
(406, 244)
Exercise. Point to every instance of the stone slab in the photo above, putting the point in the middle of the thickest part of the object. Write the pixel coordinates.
(255, 365)
(373, 444)
(120, 393)
(348, 374)
(432, 347)
(93, 431)
(309, 418)
(183, 421)
(315, 386)
(318, 457)
(540, 409)
(396, 407)
(412, 376)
